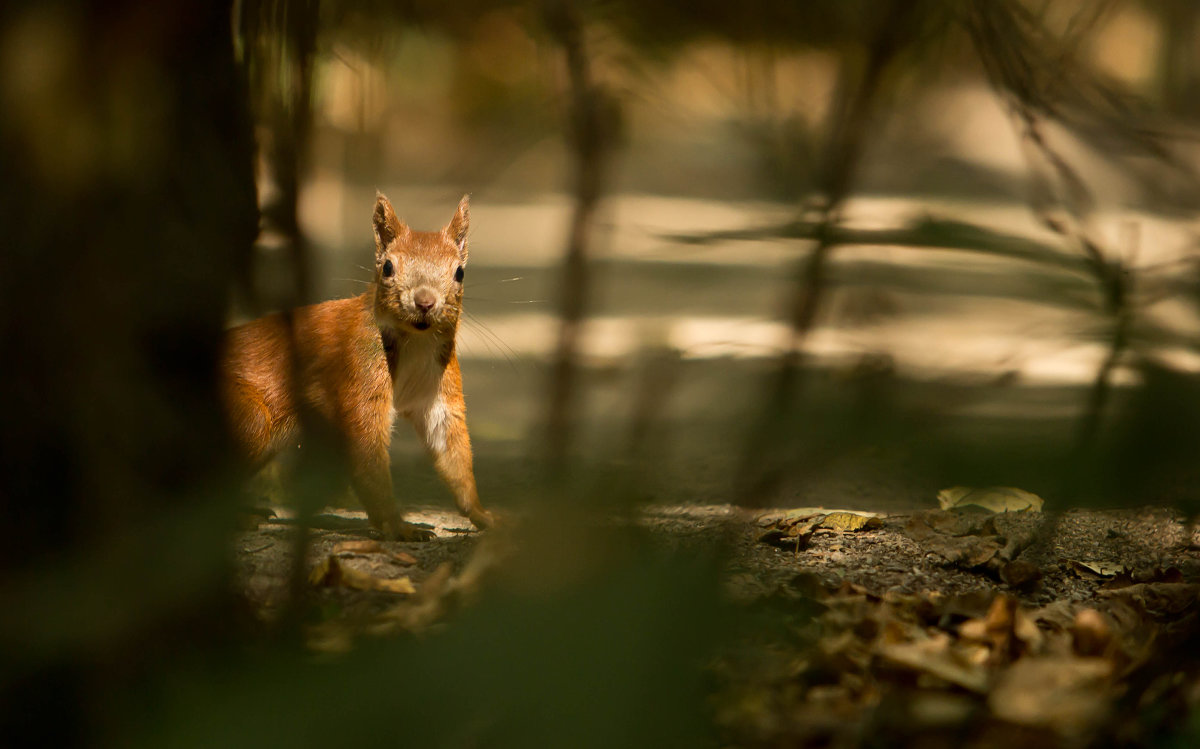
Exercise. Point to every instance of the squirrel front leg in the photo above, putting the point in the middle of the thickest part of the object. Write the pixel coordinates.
(443, 429)
(371, 477)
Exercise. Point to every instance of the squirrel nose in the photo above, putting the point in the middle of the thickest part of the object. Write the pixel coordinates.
(424, 299)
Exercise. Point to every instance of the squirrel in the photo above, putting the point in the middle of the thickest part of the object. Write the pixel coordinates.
(361, 362)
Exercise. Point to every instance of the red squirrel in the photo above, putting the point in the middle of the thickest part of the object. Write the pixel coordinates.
(363, 361)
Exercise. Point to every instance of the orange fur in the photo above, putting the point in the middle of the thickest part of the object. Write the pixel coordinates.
(362, 361)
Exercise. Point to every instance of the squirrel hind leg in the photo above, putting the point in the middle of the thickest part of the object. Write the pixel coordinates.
(252, 426)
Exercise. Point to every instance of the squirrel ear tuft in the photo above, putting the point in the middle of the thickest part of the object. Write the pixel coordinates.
(387, 226)
(459, 226)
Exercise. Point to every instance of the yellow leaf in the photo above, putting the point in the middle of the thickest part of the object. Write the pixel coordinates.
(332, 572)
(850, 521)
(395, 584)
(993, 498)
(358, 546)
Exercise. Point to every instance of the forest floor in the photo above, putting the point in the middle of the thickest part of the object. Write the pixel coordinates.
(957, 627)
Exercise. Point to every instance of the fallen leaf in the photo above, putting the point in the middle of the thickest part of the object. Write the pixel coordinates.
(1007, 629)
(403, 557)
(1091, 633)
(792, 534)
(1135, 630)
(370, 546)
(784, 540)
(951, 523)
(947, 611)
(1026, 630)
(937, 658)
(993, 498)
(966, 521)
(438, 593)
(331, 572)
(1065, 694)
(1057, 616)
(1020, 574)
(968, 552)
(796, 513)
(848, 522)
(390, 584)
(844, 652)
(1157, 574)
(1160, 598)
(973, 540)
(358, 546)
(1096, 570)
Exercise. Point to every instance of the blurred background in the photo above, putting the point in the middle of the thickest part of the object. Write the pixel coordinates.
(765, 253)
(970, 227)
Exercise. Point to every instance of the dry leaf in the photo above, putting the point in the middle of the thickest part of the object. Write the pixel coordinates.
(403, 557)
(791, 534)
(363, 546)
(1057, 616)
(1160, 598)
(1065, 694)
(774, 517)
(390, 584)
(1097, 570)
(1026, 630)
(843, 520)
(847, 522)
(331, 572)
(1007, 629)
(975, 630)
(1091, 633)
(370, 546)
(1020, 573)
(937, 658)
(968, 552)
(993, 498)
(958, 523)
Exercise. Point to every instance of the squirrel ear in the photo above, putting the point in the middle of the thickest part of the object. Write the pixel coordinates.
(459, 225)
(387, 226)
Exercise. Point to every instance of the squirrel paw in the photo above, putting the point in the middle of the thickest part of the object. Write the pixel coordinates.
(484, 519)
(404, 531)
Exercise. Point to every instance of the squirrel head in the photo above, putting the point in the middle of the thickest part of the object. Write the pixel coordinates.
(419, 274)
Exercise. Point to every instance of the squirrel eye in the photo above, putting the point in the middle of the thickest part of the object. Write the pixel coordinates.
(388, 269)
(458, 274)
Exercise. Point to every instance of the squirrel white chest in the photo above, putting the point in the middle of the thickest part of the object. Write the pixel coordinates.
(417, 377)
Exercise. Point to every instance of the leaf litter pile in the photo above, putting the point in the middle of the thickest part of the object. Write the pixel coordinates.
(983, 623)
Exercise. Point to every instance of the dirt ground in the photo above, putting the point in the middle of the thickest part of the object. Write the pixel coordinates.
(959, 628)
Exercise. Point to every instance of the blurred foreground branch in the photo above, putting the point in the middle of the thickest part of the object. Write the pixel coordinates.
(860, 86)
(132, 167)
(591, 116)
(1028, 66)
(279, 37)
